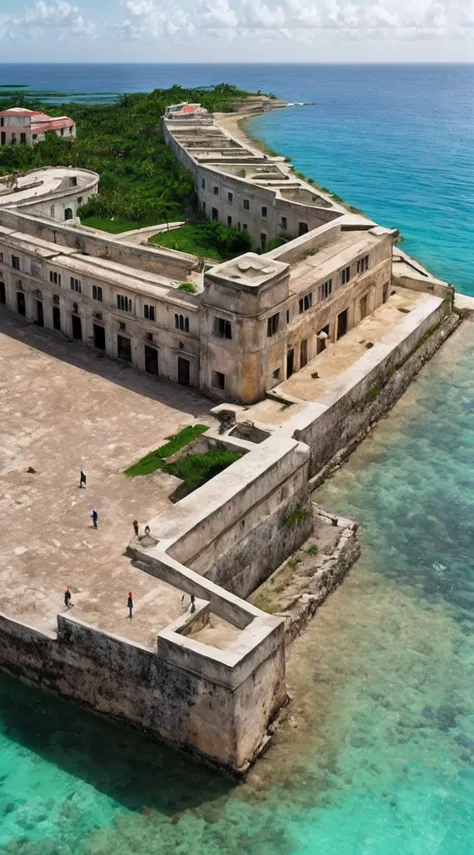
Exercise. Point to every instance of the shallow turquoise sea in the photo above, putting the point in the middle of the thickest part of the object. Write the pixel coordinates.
(378, 758)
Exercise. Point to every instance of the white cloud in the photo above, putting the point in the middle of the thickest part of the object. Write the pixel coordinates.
(60, 16)
(393, 19)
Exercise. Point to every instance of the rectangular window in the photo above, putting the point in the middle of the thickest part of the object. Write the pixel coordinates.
(276, 374)
(149, 312)
(124, 303)
(263, 241)
(218, 380)
(305, 303)
(363, 264)
(216, 191)
(15, 262)
(76, 285)
(264, 211)
(284, 223)
(302, 228)
(54, 277)
(345, 275)
(97, 293)
(273, 324)
(215, 214)
(245, 227)
(222, 328)
(246, 205)
(325, 290)
(23, 138)
(364, 306)
(229, 221)
(203, 183)
(181, 322)
(1, 256)
(230, 197)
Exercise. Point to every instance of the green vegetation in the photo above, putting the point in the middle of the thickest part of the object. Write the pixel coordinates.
(312, 550)
(404, 310)
(197, 469)
(155, 459)
(115, 226)
(206, 240)
(141, 180)
(187, 286)
(369, 396)
(297, 517)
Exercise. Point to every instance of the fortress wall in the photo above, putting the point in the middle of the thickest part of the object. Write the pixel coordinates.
(242, 188)
(335, 419)
(165, 262)
(188, 694)
(238, 527)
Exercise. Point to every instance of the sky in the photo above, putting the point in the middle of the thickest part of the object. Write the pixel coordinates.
(237, 31)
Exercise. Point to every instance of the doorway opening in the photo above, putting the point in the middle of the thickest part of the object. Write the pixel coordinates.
(290, 362)
(342, 324)
(76, 327)
(39, 313)
(56, 318)
(183, 371)
(3, 296)
(21, 302)
(151, 360)
(99, 337)
(124, 348)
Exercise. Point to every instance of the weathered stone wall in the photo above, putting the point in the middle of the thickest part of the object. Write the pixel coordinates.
(239, 526)
(338, 416)
(362, 417)
(181, 695)
(166, 262)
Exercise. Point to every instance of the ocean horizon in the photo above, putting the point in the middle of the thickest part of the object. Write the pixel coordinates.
(380, 758)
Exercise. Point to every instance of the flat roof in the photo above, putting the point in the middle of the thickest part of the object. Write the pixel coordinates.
(342, 250)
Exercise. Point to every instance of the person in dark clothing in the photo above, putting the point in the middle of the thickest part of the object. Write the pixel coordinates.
(82, 482)
(192, 605)
(95, 518)
(130, 605)
(135, 527)
(67, 598)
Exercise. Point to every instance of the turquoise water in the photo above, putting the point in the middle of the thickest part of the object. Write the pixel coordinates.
(378, 756)
(396, 142)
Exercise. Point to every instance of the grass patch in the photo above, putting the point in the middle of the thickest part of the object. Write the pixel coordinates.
(155, 459)
(196, 469)
(187, 286)
(114, 226)
(297, 517)
(206, 240)
(312, 550)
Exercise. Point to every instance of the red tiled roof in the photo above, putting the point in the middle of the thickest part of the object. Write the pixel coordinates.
(21, 113)
(52, 125)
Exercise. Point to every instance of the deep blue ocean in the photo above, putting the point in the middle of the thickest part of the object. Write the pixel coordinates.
(380, 760)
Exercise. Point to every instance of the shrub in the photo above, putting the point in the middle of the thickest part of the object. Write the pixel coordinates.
(187, 286)
(197, 469)
(297, 517)
(154, 460)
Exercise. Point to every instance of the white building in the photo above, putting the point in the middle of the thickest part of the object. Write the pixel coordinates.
(18, 125)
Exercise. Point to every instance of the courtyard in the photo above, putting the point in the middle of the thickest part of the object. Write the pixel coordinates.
(63, 409)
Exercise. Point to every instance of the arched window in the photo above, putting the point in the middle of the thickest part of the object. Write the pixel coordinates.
(68, 214)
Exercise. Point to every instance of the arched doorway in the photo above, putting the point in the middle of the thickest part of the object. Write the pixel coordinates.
(68, 214)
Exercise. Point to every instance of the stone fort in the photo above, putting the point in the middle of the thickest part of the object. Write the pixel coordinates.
(302, 347)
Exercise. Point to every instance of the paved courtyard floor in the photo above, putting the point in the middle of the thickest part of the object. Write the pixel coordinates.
(63, 409)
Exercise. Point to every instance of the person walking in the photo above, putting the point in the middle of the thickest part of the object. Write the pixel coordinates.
(135, 527)
(82, 482)
(95, 518)
(67, 598)
(130, 605)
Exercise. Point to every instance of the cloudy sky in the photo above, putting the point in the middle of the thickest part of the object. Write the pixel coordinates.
(237, 31)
